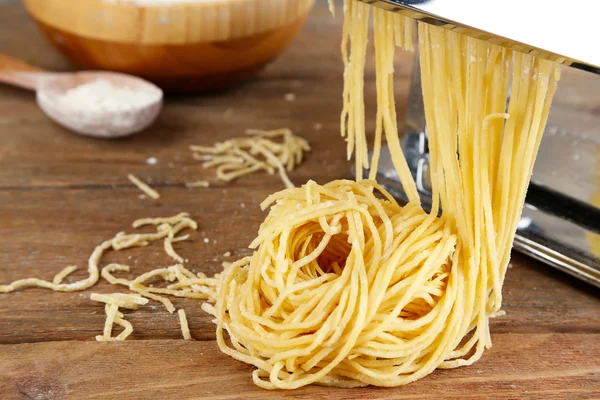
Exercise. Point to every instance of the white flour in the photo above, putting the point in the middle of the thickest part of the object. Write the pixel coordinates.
(101, 95)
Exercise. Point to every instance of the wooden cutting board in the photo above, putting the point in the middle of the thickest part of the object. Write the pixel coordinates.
(61, 194)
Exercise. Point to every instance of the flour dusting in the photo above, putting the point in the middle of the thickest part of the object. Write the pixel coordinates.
(102, 96)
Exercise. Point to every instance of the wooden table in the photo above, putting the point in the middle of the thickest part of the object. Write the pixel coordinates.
(61, 194)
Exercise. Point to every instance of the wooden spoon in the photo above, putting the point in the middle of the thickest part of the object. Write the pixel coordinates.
(87, 119)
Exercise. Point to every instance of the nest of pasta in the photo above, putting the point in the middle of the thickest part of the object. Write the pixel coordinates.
(345, 287)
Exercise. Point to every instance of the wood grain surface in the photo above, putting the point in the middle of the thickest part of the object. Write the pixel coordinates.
(62, 194)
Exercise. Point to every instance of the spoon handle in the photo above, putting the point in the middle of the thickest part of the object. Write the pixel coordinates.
(18, 73)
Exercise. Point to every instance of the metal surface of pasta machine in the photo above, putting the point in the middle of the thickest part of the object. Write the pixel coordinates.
(560, 224)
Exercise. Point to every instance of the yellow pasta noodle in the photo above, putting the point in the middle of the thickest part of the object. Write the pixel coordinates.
(166, 228)
(143, 186)
(185, 330)
(114, 316)
(348, 288)
(275, 150)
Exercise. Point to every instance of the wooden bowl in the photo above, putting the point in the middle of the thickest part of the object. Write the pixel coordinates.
(182, 46)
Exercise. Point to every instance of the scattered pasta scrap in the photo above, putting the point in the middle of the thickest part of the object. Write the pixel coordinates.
(58, 278)
(112, 303)
(181, 283)
(185, 329)
(167, 229)
(201, 184)
(143, 186)
(272, 151)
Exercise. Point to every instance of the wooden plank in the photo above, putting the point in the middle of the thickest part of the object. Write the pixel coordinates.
(565, 366)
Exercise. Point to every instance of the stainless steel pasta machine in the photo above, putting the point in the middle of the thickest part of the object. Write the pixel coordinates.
(560, 224)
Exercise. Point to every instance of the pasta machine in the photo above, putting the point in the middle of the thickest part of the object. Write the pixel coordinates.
(560, 224)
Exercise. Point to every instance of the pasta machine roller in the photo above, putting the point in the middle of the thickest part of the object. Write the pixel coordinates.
(560, 224)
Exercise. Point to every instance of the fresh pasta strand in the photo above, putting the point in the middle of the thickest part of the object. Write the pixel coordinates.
(113, 316)
(348, 288)
(167, 228)
(185, 329)
(277, 150)
(144, 187)
(182, 282)
(321, 290)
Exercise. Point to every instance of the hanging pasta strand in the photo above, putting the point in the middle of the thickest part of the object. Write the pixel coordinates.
(356, 27)
(346, 287)
(389, 31)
